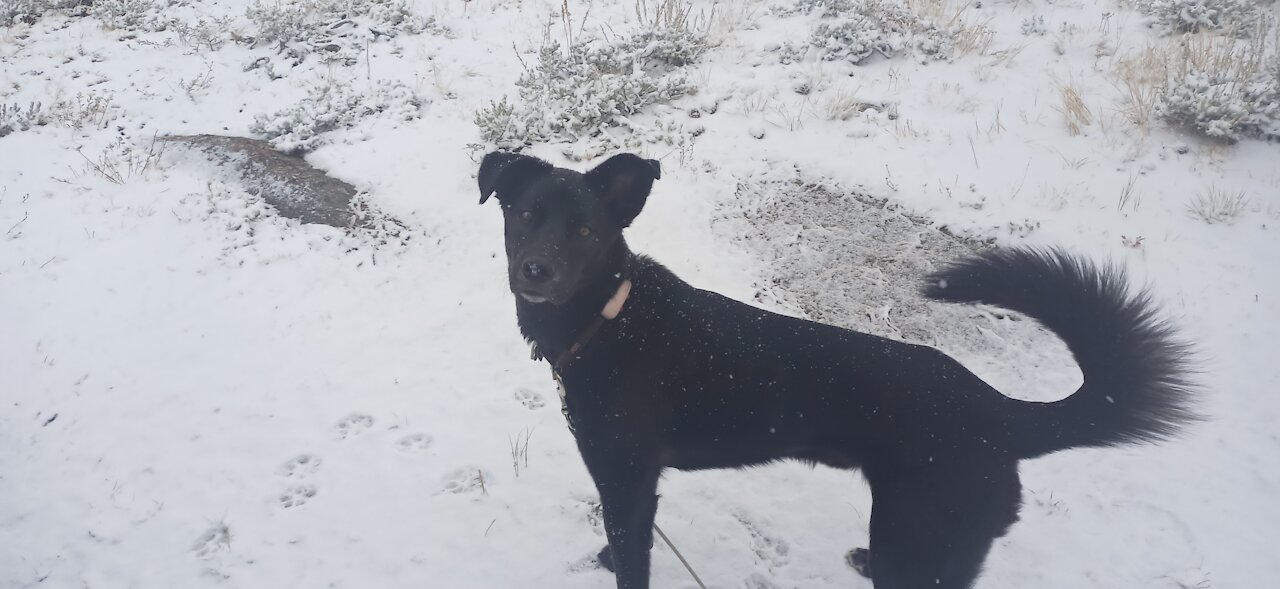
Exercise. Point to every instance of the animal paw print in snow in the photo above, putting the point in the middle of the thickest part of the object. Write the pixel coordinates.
(530, 399)
(467, 479)
(300, 466)
(759, 581)
(773, 551)
(414, 443)
(352, 425)
(211, 541)
(296, 496)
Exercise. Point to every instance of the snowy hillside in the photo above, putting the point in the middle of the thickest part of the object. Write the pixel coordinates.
(198, 392)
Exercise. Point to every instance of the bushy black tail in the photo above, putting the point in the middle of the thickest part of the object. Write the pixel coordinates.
(1136, 373)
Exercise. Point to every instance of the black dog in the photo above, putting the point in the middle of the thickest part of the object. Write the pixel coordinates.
(661, 374)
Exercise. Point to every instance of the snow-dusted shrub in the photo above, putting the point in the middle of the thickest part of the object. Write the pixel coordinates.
(202, 33)
(826, 8)
(282, 22)
(1223, 89)
(92, 110)
(1223, 108)
(1192, 16)
(853, 30)
(668, 46)
(85, 110)
(29, 11)
(1034, 25)
(335, 29)
(132, 15)
(14, 118)
(1212, 106)
(592, 88)
(852, 40)
(82, 110)
(330, 107)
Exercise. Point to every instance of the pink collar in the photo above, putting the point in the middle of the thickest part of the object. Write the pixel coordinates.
(610, 311)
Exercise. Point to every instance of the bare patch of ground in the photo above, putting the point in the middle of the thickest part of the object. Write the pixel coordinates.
(292, 186)
(848, 259)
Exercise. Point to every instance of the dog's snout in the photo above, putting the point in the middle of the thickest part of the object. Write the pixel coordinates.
(536, 271)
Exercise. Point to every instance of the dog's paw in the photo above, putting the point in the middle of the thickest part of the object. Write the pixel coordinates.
(299, 467)
(352, 425)
(605, 558)
(859, 559)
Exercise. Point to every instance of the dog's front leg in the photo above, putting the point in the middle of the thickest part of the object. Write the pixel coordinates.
(628, 496)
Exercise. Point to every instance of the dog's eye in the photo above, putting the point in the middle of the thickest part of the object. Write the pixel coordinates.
(584, 231)
(526, 217)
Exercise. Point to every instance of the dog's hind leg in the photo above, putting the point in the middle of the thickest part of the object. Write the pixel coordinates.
(935, 531)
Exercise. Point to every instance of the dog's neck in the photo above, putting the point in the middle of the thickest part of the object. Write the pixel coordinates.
(553, 328)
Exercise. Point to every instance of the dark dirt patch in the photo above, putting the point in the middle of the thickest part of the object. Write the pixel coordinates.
(292, 186)
(848, 259)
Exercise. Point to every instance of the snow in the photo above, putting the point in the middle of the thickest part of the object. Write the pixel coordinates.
(198, 393)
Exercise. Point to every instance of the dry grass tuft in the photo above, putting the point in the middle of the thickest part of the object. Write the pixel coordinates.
(1217, 205)
(1140, 77)
(950, 15)
(727, 18)
(1075, 113)
(670, 15)
(843, 104)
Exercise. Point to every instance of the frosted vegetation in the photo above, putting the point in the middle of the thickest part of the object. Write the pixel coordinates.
(591, 90)
(327, 107)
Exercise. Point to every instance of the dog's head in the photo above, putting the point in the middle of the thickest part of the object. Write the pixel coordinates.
(561, 225)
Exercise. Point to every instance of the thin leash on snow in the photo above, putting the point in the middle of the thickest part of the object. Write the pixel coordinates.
(679, 556)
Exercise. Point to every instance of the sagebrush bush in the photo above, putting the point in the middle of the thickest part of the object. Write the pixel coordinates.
(853, 30)
(29, 11)
(1222, 88)
(91, 110)
(1033, 25)
(85, 110)
(14, 118)
(1223, 108)
(1193, 16)
(827, 8)
(329, 107)
(671, 47)
(132, 15)
(581, 93)
(852, 40)
(335, 29)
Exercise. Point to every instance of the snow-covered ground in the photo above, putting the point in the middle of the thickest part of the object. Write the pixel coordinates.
(195, 392)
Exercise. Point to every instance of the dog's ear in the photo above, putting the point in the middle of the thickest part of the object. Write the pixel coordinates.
(500, 171)
(625, 181)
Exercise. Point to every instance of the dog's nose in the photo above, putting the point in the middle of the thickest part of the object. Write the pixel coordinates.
(535, 271)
